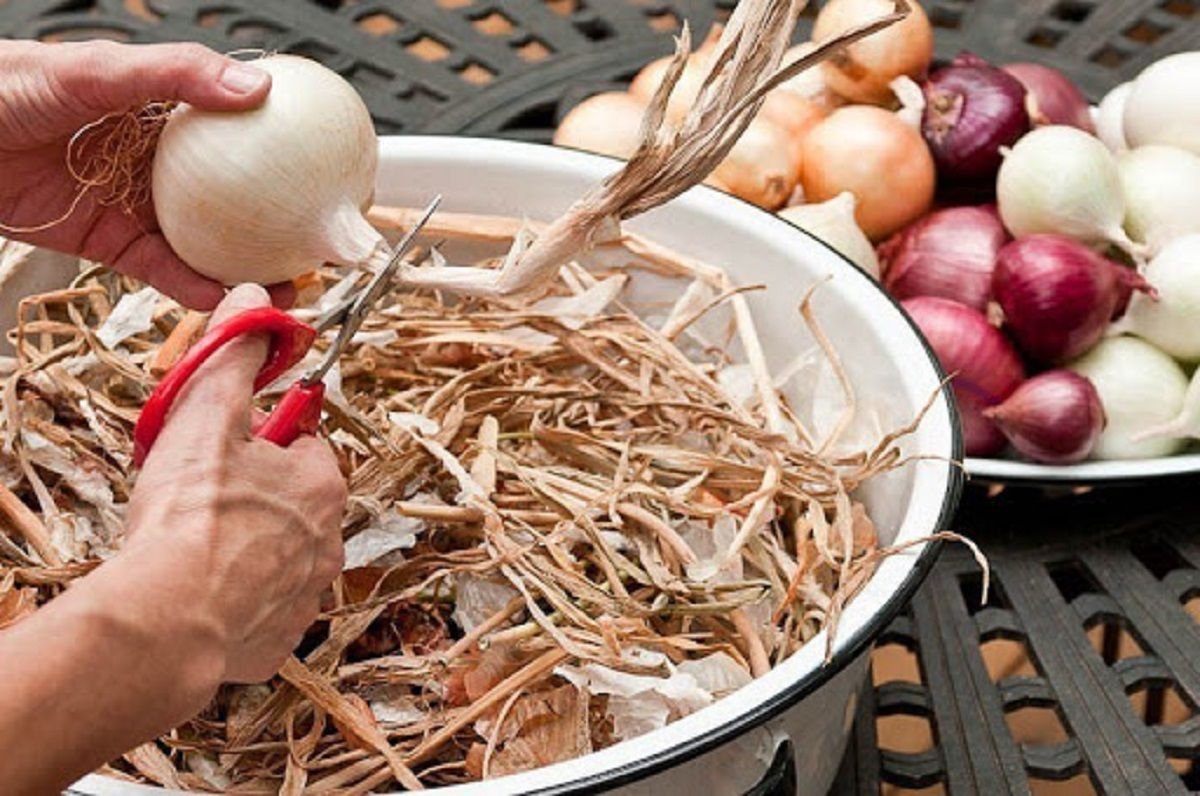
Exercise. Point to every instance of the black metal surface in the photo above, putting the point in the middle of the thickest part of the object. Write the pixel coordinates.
(1076, 577)
(1071, 575)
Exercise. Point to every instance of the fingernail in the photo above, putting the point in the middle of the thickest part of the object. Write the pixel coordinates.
(243, 79)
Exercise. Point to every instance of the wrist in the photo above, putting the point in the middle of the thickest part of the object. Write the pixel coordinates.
(129, 605)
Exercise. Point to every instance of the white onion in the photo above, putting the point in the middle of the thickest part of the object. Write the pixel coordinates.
(1172, 322)
(833, 222)
(607, 123)
(1185, 425)
(1059, 179)
(268, 194)
(1164, 104)
(1109, 117)
(1141, 388)
(1162, 194)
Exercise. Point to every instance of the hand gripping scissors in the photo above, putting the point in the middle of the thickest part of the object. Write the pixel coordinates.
(299, 410)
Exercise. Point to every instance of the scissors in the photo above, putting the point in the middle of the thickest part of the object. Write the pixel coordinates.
(299, 410)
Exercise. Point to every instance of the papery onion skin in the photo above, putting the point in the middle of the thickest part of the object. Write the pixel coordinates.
(1171, 321)
(1140, 388)
(972, 110)
(1164, 105)
(1053, 418)
(1058, 179)
(1058, 295)
(607, 123)
(875, 156)
(985, 366)
(269, 194)
(1052, 97)
(864, 71)
(949, 253)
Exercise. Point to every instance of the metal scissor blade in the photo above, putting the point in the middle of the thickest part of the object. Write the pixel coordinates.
(352, 311)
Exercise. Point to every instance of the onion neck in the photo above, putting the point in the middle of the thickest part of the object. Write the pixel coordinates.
(349, 238)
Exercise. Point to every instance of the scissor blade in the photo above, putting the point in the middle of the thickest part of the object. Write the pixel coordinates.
(354, 310)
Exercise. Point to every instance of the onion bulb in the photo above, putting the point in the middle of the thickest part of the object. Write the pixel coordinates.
(809, 84)
(1110, 118)
(761, 168)
(794, 116)
(268, 194)
(972, 111)
(877, 157)
(984, 365)
(1164, 105)
(1054, 418)
(1058, 295)
(833, 222)
(1141, 388)
(1162, 194)
(949, 253)
(1059, 179)
(1172, 322)
(683, 95)
(1051, 97)
(607, 123)
(864, 71)
(1186, 424)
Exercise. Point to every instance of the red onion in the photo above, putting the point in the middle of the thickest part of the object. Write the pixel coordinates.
(984, 364)
(1058, 295)
(1051, 97)
(972, 109)
(949, 253)
(1055, 417)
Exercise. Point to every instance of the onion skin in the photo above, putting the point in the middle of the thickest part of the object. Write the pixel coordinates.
(985, 366)
(606, 123)
(1054, 418)
(972, 110)
(875, 156)
(795, 117)
(864, 71)
(1058, 295)
(949, 253)
(1051, 97)
(1141, 389)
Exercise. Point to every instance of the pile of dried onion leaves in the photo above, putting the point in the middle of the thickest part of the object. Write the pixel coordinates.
(568, 525)
(564, 531)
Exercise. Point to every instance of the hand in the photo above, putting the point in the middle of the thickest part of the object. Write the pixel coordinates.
(249, 532)
(49, 91)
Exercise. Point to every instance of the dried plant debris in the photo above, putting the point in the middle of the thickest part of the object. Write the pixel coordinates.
(566, 528)
(581, 506)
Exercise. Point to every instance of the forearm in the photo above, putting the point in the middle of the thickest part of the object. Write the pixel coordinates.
(101, 669)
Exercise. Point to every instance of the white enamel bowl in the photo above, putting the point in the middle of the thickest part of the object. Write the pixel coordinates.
(727, 747)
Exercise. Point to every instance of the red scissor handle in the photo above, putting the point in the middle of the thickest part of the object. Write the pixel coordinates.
(289, 341)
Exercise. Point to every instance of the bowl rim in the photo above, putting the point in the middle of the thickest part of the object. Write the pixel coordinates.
(848, 648)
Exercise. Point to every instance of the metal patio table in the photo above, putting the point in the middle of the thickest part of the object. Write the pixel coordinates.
(1093, 626)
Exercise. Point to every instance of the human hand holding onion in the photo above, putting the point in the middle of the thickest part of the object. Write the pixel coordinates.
(51, 92)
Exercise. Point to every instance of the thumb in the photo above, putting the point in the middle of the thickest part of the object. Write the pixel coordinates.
(217, 398)
(106, 77)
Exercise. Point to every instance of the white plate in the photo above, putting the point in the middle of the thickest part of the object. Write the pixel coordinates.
(1083, 474)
